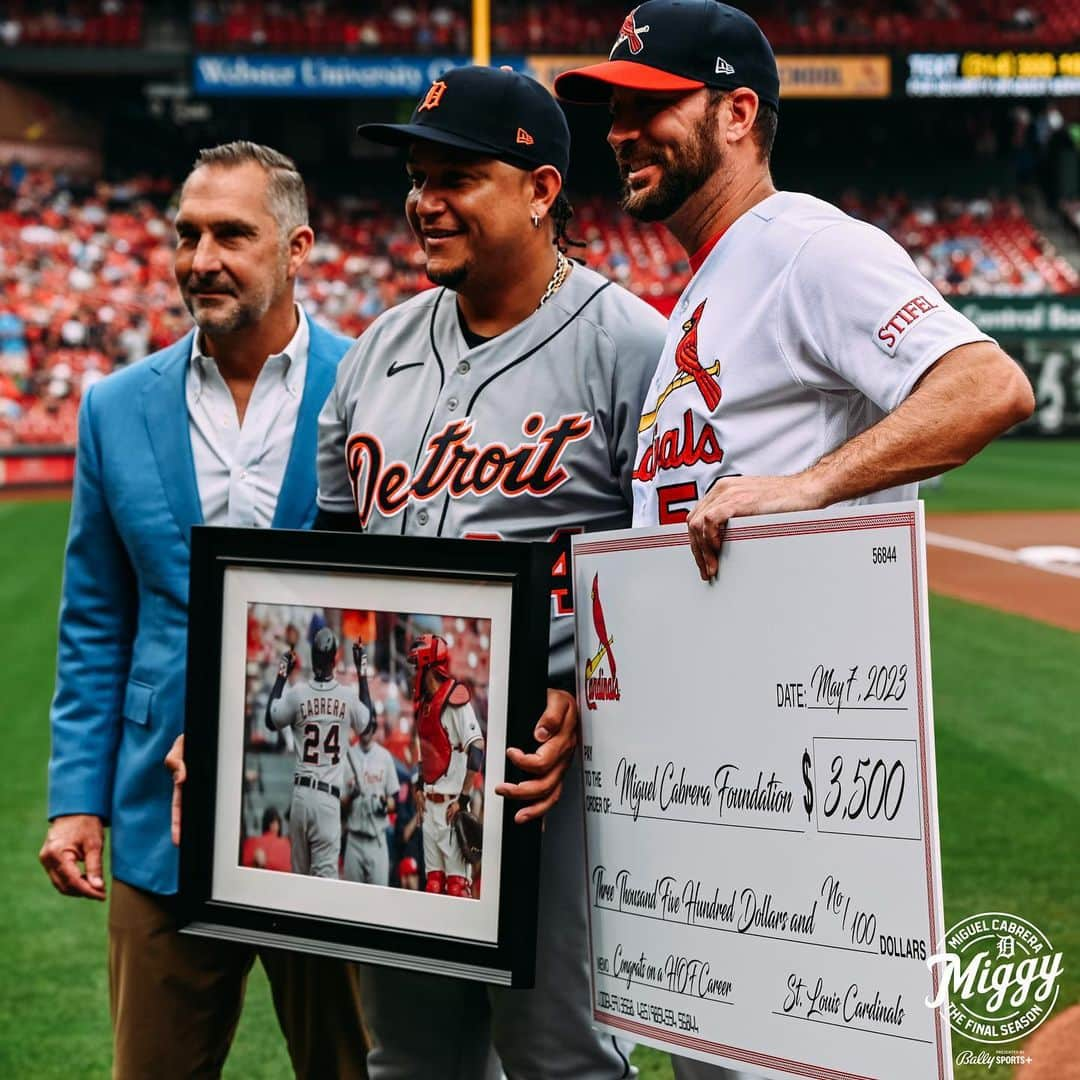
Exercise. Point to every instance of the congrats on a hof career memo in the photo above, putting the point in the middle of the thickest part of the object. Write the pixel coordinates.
(764, 878)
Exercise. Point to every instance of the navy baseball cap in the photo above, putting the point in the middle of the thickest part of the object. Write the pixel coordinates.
(671, 45)
(491, 111)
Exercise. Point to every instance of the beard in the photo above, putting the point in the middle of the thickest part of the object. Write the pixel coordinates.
(683, 172)
(239, 310)
(450, 277)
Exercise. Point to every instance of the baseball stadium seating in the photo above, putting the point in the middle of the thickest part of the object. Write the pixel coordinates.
(533, 26)
(109, 23)
(86, 270)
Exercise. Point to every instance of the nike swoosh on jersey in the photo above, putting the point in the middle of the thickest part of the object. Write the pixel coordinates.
(395, 367)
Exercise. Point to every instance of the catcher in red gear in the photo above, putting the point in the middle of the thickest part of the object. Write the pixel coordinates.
(450, 750)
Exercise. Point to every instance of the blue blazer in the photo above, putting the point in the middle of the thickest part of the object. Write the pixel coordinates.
(119, 700)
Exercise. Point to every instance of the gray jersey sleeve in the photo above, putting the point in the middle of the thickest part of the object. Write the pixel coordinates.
(283, 709)
(391, 789)
(634, 332)
(335, 487)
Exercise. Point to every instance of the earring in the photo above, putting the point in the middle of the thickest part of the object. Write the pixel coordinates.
(536, 221)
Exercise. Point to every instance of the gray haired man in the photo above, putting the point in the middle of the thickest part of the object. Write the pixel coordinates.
(219, 428)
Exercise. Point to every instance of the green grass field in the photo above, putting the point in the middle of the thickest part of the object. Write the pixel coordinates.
(1005, 694)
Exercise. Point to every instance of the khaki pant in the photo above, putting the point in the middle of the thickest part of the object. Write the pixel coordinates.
(175, 999)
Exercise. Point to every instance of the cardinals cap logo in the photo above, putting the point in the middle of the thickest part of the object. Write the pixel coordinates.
(631, 33)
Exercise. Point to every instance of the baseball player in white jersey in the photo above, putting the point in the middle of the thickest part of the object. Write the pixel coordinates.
(321, 715)
(504, 404)
(807, 362)
(450, 749)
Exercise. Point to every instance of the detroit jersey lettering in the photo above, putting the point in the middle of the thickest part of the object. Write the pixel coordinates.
(801, 328)
(528, 436)
(320, 715)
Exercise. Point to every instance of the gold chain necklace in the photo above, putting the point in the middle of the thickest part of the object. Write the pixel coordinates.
(562, 268)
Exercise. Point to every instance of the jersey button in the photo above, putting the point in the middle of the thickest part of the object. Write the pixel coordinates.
(452, 404)
(422, 517)
(463, 367)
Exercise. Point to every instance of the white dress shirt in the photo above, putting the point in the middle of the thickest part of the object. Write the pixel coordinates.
(240, 469)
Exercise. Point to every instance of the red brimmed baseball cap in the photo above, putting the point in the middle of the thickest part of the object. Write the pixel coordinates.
(672, 45)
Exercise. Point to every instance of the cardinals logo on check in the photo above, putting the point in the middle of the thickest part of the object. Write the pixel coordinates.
(631, 33)
(690, 370)
(600, 685)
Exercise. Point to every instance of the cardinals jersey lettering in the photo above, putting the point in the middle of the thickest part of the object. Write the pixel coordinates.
(802, 328)
(525, 437)
(320, 715)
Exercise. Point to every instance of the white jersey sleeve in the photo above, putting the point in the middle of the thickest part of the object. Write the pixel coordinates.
(856, 312)
(463, 727)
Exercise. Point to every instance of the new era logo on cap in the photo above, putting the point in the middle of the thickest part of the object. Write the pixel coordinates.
(524, 138)
(723, 67)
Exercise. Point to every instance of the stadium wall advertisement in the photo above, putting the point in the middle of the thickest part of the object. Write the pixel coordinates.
(36, 467)
(406, 76)
(835, 76)
(325, 76)
(1007, 74)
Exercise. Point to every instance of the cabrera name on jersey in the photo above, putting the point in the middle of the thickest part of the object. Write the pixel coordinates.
(802, 328)
(320, 714)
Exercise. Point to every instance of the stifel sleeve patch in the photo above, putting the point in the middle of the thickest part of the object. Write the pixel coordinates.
(894, 324)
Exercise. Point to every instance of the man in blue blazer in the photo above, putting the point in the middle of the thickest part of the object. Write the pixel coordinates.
(219, 428)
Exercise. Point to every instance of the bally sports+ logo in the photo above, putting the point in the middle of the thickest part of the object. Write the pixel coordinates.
(601, 681)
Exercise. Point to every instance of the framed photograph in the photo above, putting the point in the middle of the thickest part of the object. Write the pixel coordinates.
(350, 701)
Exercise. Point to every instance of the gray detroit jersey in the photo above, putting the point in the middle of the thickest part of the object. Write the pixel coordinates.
(529, 434)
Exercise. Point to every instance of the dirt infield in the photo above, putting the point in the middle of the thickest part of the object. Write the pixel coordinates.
(979, 557)
(1052, 1049)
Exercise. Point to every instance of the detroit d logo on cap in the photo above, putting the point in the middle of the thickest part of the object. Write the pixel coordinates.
(434, 96)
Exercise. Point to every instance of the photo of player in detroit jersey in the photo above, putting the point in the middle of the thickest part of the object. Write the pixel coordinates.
(334, 746)
(321, 714)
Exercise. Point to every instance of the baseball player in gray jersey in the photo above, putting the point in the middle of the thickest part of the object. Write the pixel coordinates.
(371, 787)
(321, 715)
(504, 404)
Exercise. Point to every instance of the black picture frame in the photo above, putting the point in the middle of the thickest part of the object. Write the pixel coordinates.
(249, 909)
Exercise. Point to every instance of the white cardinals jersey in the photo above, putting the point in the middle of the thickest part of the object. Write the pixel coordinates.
(802, 328)
(320, 715)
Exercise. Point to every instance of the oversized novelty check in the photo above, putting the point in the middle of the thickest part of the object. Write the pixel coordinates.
(764, 878)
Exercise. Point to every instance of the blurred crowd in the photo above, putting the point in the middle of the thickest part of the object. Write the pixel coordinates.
(971, 247)
(87, 284)
(274, 629)
(431, 26)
